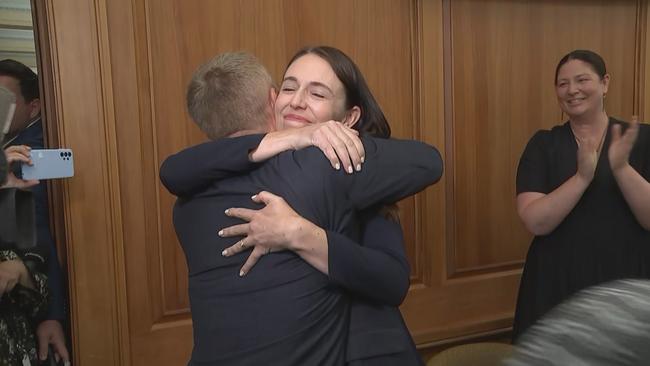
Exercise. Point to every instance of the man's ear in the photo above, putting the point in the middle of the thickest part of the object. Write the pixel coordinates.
(273, 95)
(352, 116)
(34, 108)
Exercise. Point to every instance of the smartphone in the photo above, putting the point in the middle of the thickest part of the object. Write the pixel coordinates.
(49, 164)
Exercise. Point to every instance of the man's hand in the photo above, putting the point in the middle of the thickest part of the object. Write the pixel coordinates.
(19, 153)
(51, 332)
(269, 229)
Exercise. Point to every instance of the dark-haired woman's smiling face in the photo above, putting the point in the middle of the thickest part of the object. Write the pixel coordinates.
(310, 93)
(579, 88)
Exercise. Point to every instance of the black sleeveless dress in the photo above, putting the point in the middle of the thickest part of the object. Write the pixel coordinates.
(600, 239)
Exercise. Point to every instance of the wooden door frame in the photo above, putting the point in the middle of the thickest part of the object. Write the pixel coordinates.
(74, 69)
(74, 56)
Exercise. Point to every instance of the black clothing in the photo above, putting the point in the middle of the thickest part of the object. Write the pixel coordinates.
(600, 240)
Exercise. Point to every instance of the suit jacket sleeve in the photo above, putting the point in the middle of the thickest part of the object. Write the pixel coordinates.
(393, 169)
(378, 269)
(189, 171)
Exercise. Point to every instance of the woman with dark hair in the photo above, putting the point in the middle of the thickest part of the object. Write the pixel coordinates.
(323, 96)
(321, 84)
(357, 93)
(583, 190)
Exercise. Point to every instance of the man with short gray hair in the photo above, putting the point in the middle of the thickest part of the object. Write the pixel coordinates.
(231, 94)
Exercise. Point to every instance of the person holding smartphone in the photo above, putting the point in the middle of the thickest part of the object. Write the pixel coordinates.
(27, 129)
(23, 283)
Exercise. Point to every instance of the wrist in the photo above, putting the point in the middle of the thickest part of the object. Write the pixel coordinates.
(302, 233)
(621, 170)
(295, 138)
(272, 144)
(582, 181)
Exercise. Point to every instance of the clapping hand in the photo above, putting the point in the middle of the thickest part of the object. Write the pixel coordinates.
(587, 158)
(622, 143)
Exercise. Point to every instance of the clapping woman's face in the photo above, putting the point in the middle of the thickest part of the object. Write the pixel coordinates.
(580, 89)
(310, 93)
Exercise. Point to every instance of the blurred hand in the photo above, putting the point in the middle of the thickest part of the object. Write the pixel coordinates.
(621, 146)
(268, 229)
(13, 272)
(51, 332)
(19, 153)
(587, 158)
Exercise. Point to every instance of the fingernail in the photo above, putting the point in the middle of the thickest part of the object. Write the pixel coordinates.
(227, 211)
(220, 233)
(254, 197)
(363, 159)
(337, 166)
(225, 252)
(241, 273)
(350, 169)
(358, 167)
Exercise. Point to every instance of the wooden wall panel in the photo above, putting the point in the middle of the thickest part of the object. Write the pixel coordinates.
(79, 102)
(183, 35)
(496, 89)
(504, 55)
(473, 78)
(155, 48)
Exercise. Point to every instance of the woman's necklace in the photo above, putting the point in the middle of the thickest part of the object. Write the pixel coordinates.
(600, 144)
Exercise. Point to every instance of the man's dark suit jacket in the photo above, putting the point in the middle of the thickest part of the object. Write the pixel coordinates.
(284, 311)
(375, 272)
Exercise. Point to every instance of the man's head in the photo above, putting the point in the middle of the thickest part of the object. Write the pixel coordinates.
(23, 82)
(231, 94)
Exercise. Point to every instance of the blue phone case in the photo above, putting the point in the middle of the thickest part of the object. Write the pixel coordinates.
(49, 163)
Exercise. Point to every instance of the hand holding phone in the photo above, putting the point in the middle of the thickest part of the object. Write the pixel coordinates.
(49, 164)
